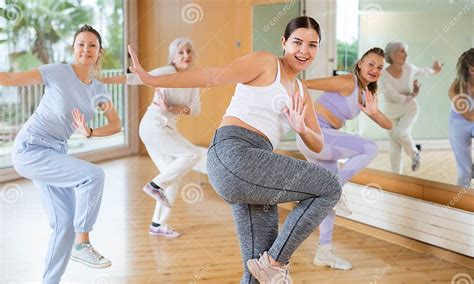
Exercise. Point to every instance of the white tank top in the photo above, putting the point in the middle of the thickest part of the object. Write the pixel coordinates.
(262, 107)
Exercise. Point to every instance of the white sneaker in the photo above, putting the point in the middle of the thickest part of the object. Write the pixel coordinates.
(265, 273)
(415, 162)
(326, 256)
(88, 256)
(342, 206)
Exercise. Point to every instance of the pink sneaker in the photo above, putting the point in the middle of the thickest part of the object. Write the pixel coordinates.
(163, 230)
(265, 273)
(157, 194)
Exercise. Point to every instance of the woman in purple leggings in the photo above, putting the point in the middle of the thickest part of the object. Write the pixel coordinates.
(343, 98)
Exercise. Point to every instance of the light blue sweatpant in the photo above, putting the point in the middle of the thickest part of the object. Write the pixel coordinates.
(461, 132)
(71, 192)
(338, 145)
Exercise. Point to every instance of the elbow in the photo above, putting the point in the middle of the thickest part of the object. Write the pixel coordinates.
(317, 147)
(389, 125)
(117, 127)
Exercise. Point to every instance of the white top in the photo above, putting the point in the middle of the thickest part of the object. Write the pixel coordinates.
(262, 107)
(174, 96)
(393, 89)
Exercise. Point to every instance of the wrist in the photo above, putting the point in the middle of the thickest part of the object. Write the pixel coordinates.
(304, 131)
(90, 133)
(186, 110)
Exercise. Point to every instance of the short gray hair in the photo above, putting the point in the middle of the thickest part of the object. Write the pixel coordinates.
(175, 45)
(393, 47)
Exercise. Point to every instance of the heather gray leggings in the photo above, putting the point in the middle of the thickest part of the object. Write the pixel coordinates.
(246, 173)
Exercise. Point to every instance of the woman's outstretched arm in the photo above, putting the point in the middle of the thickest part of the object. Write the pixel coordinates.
(242, 70)
(32, 77)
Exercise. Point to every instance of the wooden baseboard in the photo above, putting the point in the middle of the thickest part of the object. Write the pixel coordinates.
(406, 242)
(432, 191)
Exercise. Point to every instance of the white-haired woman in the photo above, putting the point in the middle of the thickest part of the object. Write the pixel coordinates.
(400, 89)
(171, 153)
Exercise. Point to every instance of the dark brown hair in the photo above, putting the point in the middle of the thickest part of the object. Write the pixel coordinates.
(87, 28)
(373, 85)
(302, 22)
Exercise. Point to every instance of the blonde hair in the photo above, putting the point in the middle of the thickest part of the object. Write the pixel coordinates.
(465, 61)
(373, 85)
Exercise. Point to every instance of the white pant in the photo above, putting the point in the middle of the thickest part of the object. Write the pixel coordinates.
(171, 153)
(403, 116)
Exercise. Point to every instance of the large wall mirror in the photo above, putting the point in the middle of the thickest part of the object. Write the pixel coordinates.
(432, 30)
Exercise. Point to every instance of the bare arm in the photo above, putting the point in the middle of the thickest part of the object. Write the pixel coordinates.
(243, 70)
(121, 79)
(382, 120)
(371, 109)
(114, 124)
(343, 84)
(32, 77)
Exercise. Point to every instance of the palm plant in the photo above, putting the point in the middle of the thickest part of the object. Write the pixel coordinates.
(39, 25)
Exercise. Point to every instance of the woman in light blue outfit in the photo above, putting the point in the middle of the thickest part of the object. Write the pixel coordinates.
(461, 119)
(71, 189)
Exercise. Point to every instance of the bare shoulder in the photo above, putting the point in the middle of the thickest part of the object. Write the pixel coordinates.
(453, 89)
(348, 84)
(265, 63)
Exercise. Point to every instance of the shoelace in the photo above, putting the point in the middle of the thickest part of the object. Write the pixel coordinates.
(169, 230)
(92, 252)
(159, 192)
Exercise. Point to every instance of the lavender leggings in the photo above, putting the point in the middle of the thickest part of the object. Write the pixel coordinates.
(338, 145)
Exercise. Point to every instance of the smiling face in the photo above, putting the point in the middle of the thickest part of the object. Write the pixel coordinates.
(183, 59)
(86, 48)
(300, 48)
(371, 67)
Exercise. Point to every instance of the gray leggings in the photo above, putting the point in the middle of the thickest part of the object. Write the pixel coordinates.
(246, 173)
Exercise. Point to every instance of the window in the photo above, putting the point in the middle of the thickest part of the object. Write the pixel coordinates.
(34, 33)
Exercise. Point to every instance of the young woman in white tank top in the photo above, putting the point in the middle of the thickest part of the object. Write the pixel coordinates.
(242, 168)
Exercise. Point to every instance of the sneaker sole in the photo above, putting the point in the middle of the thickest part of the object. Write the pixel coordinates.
(166, 236)
(157, 200)
(332, 265)
(257, 273)
(96, 266)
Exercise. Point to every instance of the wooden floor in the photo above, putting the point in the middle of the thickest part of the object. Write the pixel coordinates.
(207, 251)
